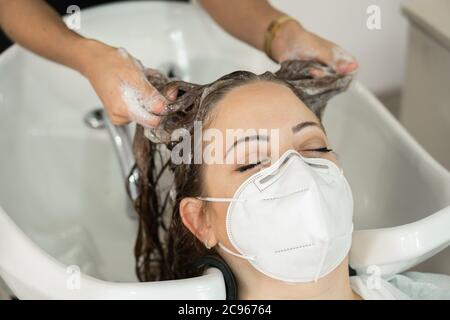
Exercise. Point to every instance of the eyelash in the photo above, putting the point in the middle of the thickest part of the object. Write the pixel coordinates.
(254, 165)
(323, 150)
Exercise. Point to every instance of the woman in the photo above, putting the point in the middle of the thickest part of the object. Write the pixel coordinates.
(280, 218)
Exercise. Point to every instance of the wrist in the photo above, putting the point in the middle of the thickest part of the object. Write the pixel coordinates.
(90, 51)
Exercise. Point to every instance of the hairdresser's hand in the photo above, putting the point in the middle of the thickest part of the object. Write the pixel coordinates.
(119, 81)
(292, 41)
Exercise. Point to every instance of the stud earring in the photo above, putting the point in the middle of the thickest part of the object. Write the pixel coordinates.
(207, 245)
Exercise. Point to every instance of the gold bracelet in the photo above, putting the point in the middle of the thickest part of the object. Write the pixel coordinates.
(271, 32)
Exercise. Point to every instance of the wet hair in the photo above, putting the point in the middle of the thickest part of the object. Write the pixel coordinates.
(165, 248)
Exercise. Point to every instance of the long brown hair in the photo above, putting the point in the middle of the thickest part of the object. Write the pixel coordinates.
(165, 248)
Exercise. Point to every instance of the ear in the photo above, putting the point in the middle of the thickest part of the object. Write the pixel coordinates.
(197, 220)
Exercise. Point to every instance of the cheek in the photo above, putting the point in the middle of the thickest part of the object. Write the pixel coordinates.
(220, 180)
(217, 185)
(218, 213)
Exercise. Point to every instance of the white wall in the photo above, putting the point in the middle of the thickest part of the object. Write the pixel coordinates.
(381, 53)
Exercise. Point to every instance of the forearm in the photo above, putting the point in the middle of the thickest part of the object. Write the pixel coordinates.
(37, 27)
(247, 20)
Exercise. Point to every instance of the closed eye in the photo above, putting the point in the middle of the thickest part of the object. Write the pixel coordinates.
(323, 150)
(251, 166)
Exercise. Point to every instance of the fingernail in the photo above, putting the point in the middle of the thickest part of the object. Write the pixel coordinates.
(172, 94)
(157, 107)
(352, 67)
(316, 73)
(346, 67)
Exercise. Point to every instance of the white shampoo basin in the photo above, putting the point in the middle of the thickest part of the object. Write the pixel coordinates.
(62, 202)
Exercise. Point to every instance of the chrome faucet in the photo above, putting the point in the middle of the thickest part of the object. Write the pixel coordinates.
(121, 140)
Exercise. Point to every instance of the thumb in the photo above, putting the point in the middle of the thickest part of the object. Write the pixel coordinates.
(153, 101)
(144, 104)
(171, 92)
(341, 61)
(334, 60)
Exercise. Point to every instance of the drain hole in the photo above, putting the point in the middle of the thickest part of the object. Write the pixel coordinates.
(95, 119)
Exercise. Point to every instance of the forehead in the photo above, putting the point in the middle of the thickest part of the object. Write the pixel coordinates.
(261, 104)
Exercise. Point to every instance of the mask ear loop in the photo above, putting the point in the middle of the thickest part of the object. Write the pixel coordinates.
(211, 199)
(253, 258)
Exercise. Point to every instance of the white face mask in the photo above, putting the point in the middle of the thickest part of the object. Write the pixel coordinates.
(293, 220)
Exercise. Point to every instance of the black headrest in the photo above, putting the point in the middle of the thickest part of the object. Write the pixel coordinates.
(217, 262)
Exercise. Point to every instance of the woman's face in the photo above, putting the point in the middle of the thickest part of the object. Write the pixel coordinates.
(258, 107)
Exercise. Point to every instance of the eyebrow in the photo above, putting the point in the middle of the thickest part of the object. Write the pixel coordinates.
(246, 139)
(295, 129)
(302, 125)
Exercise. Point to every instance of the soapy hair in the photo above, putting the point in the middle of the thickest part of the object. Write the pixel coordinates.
(165, 249)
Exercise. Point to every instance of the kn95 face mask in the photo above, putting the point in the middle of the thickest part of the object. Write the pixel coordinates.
(293, 220)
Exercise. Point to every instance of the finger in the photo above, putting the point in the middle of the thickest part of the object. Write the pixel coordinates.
(142, 105)
(152, 100)
(171, 92)
(345, 67)
(320, 72)
(144, 118)
(316, 73)
(342, 62)
(119, 120)
(139, 114)
(149, 72)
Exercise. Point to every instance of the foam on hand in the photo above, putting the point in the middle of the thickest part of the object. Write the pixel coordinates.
(140, 103)
(140, 107)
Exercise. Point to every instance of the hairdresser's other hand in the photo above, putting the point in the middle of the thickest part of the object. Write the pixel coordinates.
(292, 41)
(119, 80)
